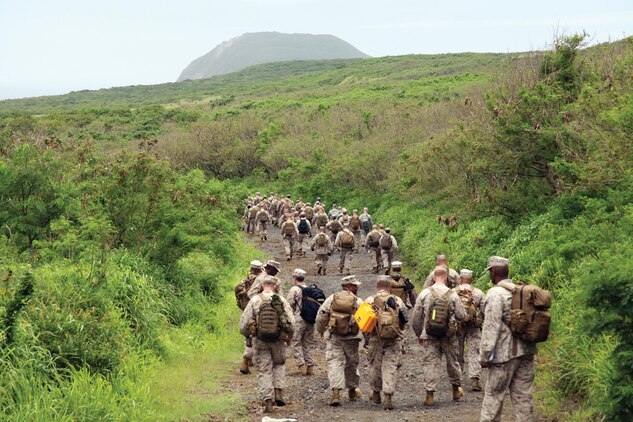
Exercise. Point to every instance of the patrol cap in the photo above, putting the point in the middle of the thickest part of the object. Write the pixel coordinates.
(396, 264)
(388, 230)
(463, 273)
(270, 280)
(298, 272)
(276, 265)
(497, 261)
(440, 269)
(440, 257)
(350, 279)
(256, 264)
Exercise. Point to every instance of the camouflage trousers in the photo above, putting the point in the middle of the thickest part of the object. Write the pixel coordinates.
(517, 375)
(321, 261)
(299, 243)
(270, 364)
(357, 239)
(289, 245)
(342, 362)
(250, 225)
(248, 350)
(432, 361)
(384, 361)
(345, 259)
(263, 226)
(303, 343)
(376, 258)
(470, 339)
(387, 257)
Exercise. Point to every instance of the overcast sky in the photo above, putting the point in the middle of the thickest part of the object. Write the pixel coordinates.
(56, 46)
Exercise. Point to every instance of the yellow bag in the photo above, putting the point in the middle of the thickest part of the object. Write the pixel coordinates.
(366, 318)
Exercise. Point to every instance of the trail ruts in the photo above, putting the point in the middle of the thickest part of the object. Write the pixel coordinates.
(309, 396)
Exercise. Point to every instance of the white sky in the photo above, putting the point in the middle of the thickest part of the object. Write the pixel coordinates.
(57, 46)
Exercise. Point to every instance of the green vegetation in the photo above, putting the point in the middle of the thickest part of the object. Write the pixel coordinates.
(530, 151)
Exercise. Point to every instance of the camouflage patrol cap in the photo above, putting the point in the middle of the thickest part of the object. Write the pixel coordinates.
(298, 272)
(256, 264)
(440, 257)
(350, 279)
(465, 273)
(396, 264)
(497, 261)
(276, 265)
(440, 269)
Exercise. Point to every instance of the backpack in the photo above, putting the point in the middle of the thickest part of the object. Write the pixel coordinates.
(268, 324)
(241, 291)
(347, 239)
(365, 221)
(387, 326)
(309, 213)
(437, 320)
(398, 288)
(311, 300)
(321, 239)
(303, 226)
(341, 314)
(529, 315)
(468, 303)
(373, 241)
(289, 228)
(335, 226)
(354, 222)
(385, 241)
(321, 220)
(263, 217)
(252, 212)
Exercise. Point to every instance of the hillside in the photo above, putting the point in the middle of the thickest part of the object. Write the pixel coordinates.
(267, 47)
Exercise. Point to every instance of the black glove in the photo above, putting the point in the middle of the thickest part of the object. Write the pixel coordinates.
(391, 302)
(403, 318)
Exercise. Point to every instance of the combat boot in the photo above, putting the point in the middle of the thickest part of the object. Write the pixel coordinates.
(375, 397)
(476, 386)
(458, 392)
(340, 270)
(336, 397)
(279, 399)
(268, 406)
(244, 367)
(299, 371)
(310, 370)
(387, 405)
(324, 271)
(319, 271)
(354, 394)
(429, 399)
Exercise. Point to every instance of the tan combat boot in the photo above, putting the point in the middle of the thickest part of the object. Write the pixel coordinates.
(476, 386)
(458, 392)
(279, 399)
(310, 370)
(429, 399)
(336, 397)
(299, 371)
(387, 405)
(244, 369)
(375, 397)
(354, 394)
(268, 406)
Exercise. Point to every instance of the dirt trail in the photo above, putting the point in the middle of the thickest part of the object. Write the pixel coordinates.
(309, 396)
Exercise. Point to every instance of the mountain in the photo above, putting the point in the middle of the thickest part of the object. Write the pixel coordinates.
(267, 47)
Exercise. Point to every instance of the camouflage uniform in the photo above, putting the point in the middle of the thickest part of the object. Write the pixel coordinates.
(256, 287)
(263, 225)
(269, 356)
(345, 257)
(512, 360)
(302, 236)
(375, 252)
(388, 254)
(435, 347)
(341, 352)
(289, 240)
(321, 252)
(452, 282)
(303, 343)
(470, 336)
(334, 227)
(385, 355)
(365, 227)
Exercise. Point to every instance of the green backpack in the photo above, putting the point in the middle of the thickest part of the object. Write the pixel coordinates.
(440, 310)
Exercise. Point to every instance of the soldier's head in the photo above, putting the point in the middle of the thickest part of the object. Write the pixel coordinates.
(440, 275)
(256, 267)
(498, 267)
(465, 277)
(374, 227)
(365, 210)
(388, 230)
(350, 283)
(383, 283)
(441, 260)
(396, 266)
(272, 268)
(302, 215)
(322, 229)
(269, 285)
(381, 226)
(298, 275)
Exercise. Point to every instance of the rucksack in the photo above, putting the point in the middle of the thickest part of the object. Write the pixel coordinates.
(354, 222)
(398, 288)
(440, 309)
(321, 239)
(347, 239)
(268, 324)
(466, 297)
(321, 220)
(303, 226)
(341, 314)
(309, 213)
(387, 326)
(241, 291)
(289, 228)
(529, 316)
(252, 212)
(263, 217)
(335, 226)
(311, 300)
(385, 241)
(365, 221)
(373, 239)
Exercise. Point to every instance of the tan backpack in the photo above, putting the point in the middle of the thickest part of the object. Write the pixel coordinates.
(241, 291)
(468, 302)
(321, 239)
(354, 222)
(347, 239)
(388, 324)
(529, 316)
(289, 228)
(373, 239)
(342, 312)
(440, 311)
(321, 220)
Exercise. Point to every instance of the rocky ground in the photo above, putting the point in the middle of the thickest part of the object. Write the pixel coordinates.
(309, 396)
